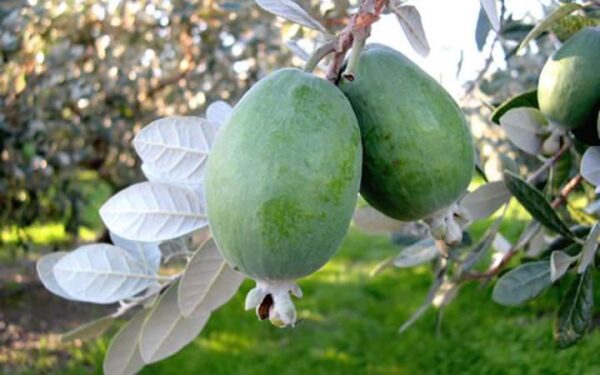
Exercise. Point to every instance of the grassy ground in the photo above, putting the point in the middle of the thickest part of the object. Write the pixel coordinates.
(349, 325)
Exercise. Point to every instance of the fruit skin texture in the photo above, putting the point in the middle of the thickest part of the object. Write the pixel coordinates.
(418, 150)
(283, 176)
(569, 84)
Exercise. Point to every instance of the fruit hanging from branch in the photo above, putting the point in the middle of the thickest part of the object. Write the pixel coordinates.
(418, 151)
(282, 183)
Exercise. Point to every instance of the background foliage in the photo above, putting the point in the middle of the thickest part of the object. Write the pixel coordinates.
(79, 78)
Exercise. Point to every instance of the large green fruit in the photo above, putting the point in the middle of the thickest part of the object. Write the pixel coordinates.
(283, 176)
(569, 85)
(418, 151)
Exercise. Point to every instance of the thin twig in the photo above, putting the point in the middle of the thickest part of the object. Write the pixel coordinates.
(548, 163)
(319, 54)
(557, 202)
(566, 190)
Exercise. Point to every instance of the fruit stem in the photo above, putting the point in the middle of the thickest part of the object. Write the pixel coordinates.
(319, 54)
(272, 300)
(358, 25)
(357, 46)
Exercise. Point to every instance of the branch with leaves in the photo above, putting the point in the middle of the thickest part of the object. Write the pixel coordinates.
(151, 223)
(559, 175)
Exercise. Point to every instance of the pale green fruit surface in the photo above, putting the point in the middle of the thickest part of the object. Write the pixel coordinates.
(569, 84)
(418, 150)
(283, 176)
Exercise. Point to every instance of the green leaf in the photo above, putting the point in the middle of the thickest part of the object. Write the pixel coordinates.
(561, 242)
(481, 172)
(419, 253)
(535, 203)
(410, 21)
(489, 6)
(123, 354)
(509, 163)
(559, 264)
(561, 12)
(166, 330)
(481, 248)
(522, 283)
(589, 249)
(485, 200)
(89, 330)
(590, 165)
(574, 315)
(561, 171)
(526, 99)
(482, 29)
(291, 11)
(525, 128)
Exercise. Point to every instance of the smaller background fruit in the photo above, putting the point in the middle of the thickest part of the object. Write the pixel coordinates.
(569, 84)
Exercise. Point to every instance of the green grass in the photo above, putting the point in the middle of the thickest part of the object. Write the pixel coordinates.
(349, 322)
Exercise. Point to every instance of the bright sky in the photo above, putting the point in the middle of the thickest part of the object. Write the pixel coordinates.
(450, 28)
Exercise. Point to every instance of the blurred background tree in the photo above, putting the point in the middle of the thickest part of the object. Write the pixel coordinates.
(79, 78)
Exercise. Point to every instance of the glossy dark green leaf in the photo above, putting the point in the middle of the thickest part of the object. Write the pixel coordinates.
(574, 315)
(535, 203)
(561, 242)
(526, 99)
(561, 171)
(589, 249)
(522, 283)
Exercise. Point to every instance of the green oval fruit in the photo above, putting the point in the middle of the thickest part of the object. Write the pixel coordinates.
(569, 84)
(283, 176)
(418, 151)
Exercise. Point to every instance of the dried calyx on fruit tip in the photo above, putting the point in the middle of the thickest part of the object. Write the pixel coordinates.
(447, 224)
(272, 300)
